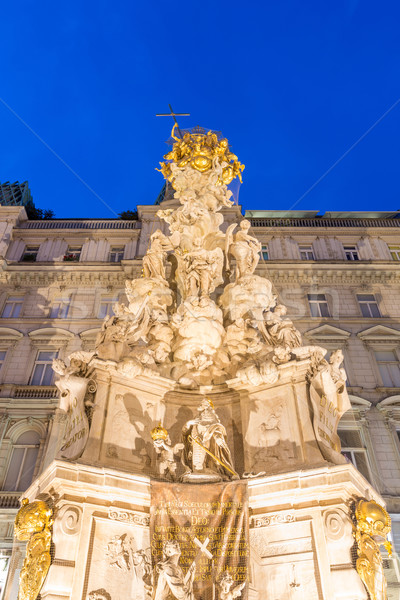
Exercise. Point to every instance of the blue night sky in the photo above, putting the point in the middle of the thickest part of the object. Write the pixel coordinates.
(293, 85)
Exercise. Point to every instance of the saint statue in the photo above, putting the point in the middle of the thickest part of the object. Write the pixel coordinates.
(244, 248)
(206, 456)
(279, 330)
(203, 269)
(154, 259)
(172, 582)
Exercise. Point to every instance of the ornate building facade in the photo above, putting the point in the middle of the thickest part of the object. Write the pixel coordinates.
(338, 275)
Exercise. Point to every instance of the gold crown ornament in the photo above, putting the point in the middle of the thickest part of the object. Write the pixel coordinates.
(159, 433)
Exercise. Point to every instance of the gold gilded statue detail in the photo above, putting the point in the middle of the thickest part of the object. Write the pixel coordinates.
(200, 151)
(33, 524)
(373, 526)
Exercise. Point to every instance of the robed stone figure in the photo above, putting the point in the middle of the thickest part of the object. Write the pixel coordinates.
(171, 578)
(206, 456)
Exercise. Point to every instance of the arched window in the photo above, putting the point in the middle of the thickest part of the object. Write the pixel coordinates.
(22, 464)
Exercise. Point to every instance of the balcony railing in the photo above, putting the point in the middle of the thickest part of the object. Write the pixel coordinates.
(9, 499)
(265, 222)
(81, 224)
(35, 391)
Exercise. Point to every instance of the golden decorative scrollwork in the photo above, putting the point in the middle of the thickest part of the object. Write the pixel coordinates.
(199, 151)
(33, 524)
(373, 526)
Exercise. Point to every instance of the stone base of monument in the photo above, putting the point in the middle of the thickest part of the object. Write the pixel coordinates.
(204, 476)
(301, 534)
(272, 427)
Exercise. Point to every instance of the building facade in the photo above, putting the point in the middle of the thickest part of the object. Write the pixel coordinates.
(338, 274)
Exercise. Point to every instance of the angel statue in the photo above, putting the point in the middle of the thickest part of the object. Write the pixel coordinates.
(154, 259)
(226, 589)
(243, 247)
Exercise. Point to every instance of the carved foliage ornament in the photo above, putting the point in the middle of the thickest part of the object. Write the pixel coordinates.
(373, 526)
(33, 524)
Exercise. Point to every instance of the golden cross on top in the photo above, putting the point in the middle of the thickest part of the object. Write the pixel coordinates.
(174, 115)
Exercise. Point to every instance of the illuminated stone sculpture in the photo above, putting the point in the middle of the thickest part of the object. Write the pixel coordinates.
(201, 333)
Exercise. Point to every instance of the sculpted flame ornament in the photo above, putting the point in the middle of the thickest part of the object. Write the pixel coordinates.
(33, 524)
(373, 526)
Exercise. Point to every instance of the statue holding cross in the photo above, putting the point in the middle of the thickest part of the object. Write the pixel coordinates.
(171, 578)
(174, 115)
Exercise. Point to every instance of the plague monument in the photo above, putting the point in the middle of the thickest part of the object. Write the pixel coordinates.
(198, 456)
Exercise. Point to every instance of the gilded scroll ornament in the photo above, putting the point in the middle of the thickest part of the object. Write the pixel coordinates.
(373, 526)
(33, 524)
(200, 151)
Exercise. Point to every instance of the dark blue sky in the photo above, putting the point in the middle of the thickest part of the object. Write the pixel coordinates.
(291, 84)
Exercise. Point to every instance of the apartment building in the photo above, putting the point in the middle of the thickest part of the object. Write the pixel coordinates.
(338, 274)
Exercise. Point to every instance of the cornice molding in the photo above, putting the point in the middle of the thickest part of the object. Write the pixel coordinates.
(329, 274)
(328, 334)
(379, 333)
(9, 336)
(79, 277)
(51, 336)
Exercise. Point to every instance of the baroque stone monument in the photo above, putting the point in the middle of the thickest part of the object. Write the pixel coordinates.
(199, 458)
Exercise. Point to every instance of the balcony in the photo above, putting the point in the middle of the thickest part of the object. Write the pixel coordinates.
(34, 391)
(9, 499)
(20, 392)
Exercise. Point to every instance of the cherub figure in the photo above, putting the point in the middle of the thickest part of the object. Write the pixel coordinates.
(117, 553)
(166, 453)
(226, 589)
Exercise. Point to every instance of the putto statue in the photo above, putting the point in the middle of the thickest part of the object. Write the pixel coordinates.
(227, 588)
(166, 463)
(206, 456)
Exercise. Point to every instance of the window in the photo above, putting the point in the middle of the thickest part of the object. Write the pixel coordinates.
(106, 306)
(354, 451)
(42, 371)
(60, 308)
(73, 254)
(318, 305)
(23, 461)
(264, 252)
(2, 357)
(306, 252)
(30, 254)
(116, 254)
(351, 253)
(395, 252)
(369, 305)
(389, 367)
(4, 565)
(12, 307)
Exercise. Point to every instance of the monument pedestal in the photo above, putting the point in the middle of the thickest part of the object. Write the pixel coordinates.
(301, 533)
